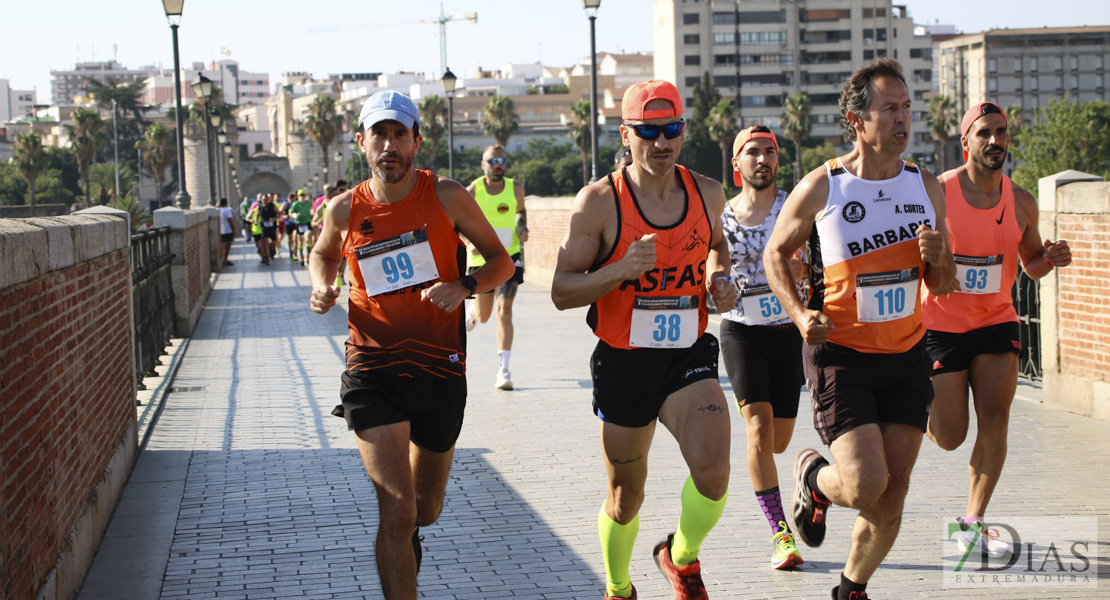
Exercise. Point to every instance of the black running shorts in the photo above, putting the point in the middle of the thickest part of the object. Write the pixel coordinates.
(764, 364)
(433, 407)
(631, 385)
(516, 279)
(849, 388)
(270, 232)
(953, 352)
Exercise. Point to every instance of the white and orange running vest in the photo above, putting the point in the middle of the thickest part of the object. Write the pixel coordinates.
(867, 266)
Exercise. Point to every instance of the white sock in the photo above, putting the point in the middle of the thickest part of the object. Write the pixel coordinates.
(504, 354)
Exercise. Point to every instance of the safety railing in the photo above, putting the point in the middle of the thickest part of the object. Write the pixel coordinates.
(1027, 301)
(152, 292)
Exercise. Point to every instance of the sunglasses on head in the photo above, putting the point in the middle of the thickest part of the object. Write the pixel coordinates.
(498, 160)
(651, 132)
(988, 109)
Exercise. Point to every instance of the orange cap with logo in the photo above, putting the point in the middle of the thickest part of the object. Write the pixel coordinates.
(974, 113)
(744, 137)
(638, 95)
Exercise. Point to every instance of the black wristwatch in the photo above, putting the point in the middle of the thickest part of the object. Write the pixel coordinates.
(469, 283)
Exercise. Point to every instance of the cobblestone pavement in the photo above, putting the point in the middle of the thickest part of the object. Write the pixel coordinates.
(249, 489)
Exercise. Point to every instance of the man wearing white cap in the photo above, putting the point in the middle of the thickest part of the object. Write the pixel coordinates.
(404, 389)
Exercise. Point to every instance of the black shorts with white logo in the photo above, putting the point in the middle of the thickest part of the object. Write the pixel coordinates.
(433, 407)
(953, 352)
(849, 389)
(631, 385)
(516, 279)
(764, 364)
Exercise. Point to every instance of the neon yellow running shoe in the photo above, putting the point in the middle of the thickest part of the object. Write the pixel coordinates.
(784, 554)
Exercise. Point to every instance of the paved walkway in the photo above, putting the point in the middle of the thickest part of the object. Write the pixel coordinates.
(249, 489)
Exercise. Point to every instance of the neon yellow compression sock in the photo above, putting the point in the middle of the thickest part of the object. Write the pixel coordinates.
(616, 550)
(699, 515)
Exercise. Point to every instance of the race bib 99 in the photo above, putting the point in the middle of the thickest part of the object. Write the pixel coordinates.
(397, 262)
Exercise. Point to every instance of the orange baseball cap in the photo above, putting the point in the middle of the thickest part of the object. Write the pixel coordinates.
(974, 113)
(639, 94)
(744, 137)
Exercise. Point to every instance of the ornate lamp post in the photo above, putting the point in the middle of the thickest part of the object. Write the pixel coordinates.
(591, 7)
(202, 89)
(215, 120)
(449, 82)
(221, 169)
(173, 9)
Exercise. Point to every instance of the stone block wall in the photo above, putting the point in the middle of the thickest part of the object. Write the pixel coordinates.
(548, 221)
(67, 396)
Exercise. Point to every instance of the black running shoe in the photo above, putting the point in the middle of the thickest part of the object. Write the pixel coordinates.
(851, 595)
(806, 509)
(416, 549)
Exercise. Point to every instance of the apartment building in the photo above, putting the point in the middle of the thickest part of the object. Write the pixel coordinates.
(15, 103)
(760, 52)
(239, 87)
(1025, 67)
(67, 85)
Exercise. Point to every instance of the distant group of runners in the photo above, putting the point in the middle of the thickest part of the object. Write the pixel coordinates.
(882, 288)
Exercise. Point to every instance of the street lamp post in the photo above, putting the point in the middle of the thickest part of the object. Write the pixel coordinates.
(221, 171)
(228, 168)
(202, 89)
(341, 172)
(591, 7)
(215, 120)
(173, 9)
(449, 83)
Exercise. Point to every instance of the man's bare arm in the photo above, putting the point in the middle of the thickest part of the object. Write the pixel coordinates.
(323, 261)
(1037, 258)
(936, 251)
(718, 265)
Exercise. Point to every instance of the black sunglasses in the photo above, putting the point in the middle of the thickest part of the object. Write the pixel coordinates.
(651, 132)
(988, 109)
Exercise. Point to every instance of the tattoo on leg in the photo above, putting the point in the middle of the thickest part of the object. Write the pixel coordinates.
(507, 289)
(623, 461)
(711, 408)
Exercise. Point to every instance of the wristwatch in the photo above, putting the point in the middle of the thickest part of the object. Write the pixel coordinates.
(469, 283)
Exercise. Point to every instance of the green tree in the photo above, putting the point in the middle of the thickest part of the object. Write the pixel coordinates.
(579, 129)
(942, 119)
(30, 160)
(796, 125)
(323, 124)
(1015, 118)
(433, 126)
(86, 133)
(134, 209)
(102, 179)
(1063, 135)
(699, 151)
(499, 119)
(722, 129)
(130, 117)
(159, 151)
(62, 168)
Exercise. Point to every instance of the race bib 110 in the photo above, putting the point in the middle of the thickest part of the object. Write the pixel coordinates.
(882, 297)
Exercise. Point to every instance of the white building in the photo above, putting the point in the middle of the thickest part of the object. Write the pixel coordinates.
(15, 104)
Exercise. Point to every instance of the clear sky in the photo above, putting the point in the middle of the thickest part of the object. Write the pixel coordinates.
(274, 36)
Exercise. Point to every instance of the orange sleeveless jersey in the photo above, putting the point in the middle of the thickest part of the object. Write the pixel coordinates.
(867, 267)
(984, 243)
(396, 332)
(679, 273)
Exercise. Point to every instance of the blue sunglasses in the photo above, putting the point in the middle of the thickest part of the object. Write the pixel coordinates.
(497, 160)
(651, 132)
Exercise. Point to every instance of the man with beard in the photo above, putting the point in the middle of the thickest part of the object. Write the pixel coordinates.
(761, 347)
(643, 249)
(404, 388)
(876, 226)
(502, 201)
(973, 334)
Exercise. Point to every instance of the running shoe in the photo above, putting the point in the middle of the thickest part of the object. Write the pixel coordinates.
(504, 380)
(851, 595)
(417, 551)
(784, 553)
(986, 538)
(808, 511)
(685, 580)
(632, 597)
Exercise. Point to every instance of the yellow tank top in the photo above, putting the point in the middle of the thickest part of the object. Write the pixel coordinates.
(500, 210)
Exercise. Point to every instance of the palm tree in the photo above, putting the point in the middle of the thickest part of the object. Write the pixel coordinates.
(159, 146)
(433, 125)
(86, 133)
(128, 96)
(796, 125)
(30, 159)
(323, 124)
(579, 130)
(941, 119)
(1015, 118)
(499, 119)
(722, 127)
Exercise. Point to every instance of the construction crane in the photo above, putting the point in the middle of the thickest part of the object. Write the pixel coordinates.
(442, 20)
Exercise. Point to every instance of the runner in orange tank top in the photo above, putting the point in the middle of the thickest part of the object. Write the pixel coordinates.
(973, 337)
(875, 225)
(404, 389)
(643, 248)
